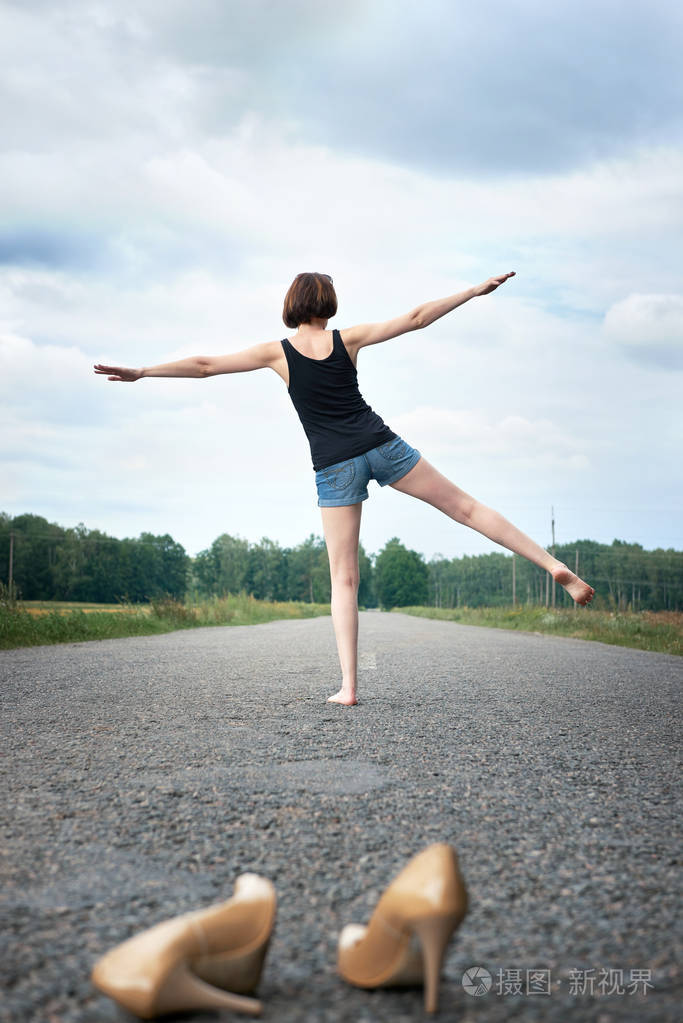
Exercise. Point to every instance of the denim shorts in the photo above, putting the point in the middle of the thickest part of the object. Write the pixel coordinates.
(347, 482)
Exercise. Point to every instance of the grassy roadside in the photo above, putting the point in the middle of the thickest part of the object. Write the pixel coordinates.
(41, 624)
(38, 623)
(660, 631)
(43, 607)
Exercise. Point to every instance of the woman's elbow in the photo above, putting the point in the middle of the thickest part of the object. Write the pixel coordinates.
(417, 319)
(205, 368)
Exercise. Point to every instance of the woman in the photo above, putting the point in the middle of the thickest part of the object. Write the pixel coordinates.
(350, 444)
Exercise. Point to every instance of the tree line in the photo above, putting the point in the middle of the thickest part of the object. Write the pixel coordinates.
(51, 562)
(625, 577)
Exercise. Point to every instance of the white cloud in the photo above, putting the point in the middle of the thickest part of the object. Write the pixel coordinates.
(649, 327)
(164, 193)
(473, 434)
(43, 382)
(491, 89)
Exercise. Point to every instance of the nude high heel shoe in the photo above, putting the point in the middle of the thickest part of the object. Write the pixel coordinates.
(405, 941)
(183, 963)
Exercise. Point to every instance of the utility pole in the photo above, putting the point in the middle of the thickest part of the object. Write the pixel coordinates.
(514, 586)
(11, 562)
(576, 572)
(552, 519)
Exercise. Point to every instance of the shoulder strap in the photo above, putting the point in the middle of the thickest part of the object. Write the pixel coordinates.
(340, 348)
(288, 349)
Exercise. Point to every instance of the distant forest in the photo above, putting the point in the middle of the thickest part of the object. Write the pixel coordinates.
(51, 562)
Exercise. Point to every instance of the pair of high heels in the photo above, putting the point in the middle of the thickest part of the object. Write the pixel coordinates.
(211, 958)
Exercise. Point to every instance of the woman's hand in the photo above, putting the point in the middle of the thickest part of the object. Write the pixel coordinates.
(492, 283)
(120, 373)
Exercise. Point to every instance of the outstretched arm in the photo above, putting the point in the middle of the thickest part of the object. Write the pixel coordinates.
(421, 316)
(200, 366)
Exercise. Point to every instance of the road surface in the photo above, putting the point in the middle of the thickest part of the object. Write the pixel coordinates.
(141, 776)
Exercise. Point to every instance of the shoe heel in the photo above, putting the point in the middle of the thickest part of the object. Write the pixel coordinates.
(232, 974)
(183, 991)
(433, 934)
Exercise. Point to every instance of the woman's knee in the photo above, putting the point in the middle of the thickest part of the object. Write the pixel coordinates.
(345, 578)
(464, 509)
(454, 502)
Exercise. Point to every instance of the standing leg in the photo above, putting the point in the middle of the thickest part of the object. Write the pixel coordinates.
(342, 529)
(425, 482)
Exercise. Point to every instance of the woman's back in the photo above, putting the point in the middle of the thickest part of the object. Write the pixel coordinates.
(336, 418)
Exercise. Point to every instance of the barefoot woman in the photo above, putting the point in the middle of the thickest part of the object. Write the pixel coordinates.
(350, 444)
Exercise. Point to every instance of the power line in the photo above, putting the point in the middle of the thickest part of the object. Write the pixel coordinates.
(94, 539)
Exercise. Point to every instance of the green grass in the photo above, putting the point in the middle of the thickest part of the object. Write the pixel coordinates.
(660, 631)
(42, 623)
(37, 623)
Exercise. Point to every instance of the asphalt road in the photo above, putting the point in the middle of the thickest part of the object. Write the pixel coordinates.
(141, 776)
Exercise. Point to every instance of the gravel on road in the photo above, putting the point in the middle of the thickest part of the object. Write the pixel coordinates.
(141, 776)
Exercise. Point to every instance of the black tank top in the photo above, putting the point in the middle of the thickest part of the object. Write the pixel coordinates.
(337, 420)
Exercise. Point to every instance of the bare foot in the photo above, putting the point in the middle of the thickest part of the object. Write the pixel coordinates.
(577, 589)
(345, 697)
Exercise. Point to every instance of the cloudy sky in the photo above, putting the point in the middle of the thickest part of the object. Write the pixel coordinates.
(168, 166)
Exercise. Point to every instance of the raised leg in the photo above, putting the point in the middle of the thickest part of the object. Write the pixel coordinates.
(342, 529)
(426, 483)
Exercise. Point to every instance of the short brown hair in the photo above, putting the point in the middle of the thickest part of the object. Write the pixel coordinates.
(309, 295)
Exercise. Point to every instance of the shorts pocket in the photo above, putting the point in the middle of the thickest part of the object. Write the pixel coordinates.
(393, 449)
(339, 477)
